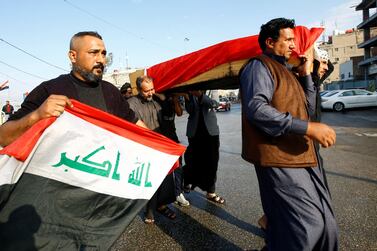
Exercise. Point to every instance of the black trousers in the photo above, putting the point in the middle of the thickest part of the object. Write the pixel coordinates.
(201, 159)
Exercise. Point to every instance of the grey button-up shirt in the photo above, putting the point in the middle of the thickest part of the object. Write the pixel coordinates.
(147, 111)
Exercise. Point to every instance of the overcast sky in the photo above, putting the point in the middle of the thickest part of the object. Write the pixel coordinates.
(140, 32)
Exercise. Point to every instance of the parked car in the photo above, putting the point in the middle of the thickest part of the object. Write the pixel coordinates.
(324, 92)
(329, 93)
(342, 99)
(224, 104)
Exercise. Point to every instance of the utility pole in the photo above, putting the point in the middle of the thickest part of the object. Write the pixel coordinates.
(186, 40)
(127, 67)
(323, 34)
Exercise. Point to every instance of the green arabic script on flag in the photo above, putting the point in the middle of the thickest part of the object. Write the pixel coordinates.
(86, 165)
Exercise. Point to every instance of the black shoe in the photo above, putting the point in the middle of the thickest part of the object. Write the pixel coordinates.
(187, 188)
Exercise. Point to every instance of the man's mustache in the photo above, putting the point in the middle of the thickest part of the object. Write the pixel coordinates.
(99, 66)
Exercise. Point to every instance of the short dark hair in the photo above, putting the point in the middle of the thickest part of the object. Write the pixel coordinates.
(82, 34)
(125, 87)
(142, 79)
(272, 30)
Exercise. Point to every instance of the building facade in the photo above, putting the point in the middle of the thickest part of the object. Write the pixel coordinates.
(369, 24)
(120, 77)
(342, 47)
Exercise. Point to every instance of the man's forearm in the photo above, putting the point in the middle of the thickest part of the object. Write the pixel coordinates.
(11, 130)
(177, 107)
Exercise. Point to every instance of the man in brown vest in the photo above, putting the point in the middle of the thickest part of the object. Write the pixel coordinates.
(278, 138)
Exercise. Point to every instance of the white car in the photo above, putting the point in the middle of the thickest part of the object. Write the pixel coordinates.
(322, 93)
(342, 99)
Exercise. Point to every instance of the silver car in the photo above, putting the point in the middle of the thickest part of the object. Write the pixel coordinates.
(342, 99)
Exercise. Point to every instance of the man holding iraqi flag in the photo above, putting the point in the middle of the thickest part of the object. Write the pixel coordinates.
(73, 176)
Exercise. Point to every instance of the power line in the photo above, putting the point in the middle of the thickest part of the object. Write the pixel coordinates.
(114, 26)
(12, 77)
(36, 76)
(44, 61)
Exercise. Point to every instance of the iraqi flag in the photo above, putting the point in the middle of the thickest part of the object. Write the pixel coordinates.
(77, 181)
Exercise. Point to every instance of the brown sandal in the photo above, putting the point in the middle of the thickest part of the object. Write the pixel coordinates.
(262, 222)
(148, 221)
(216, 199)
(167, 212)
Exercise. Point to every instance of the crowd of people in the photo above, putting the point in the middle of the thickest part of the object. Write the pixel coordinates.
(281, 132)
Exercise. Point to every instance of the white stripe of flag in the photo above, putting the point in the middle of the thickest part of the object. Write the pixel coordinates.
(77, 152)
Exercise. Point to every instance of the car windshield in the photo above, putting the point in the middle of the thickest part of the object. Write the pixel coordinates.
(323, 93)
(330, 94)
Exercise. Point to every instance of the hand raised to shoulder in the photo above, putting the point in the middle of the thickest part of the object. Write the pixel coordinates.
(305, 66)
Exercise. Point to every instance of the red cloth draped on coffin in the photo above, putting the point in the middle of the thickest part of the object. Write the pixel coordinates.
(176, 71)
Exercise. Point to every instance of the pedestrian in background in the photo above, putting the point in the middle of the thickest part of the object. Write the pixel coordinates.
(7, 110)
(149, 110)
(170, 107)
(126, 90)
(202, 153)
(322, 68)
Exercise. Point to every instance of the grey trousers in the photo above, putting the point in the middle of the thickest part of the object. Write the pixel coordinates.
(298, 207)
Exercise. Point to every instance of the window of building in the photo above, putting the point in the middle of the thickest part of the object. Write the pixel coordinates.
(336, 49)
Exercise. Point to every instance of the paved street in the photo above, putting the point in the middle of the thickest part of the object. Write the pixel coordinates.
(352, 174)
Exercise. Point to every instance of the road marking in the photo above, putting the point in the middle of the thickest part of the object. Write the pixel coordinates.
(366, 134)
(370, 134)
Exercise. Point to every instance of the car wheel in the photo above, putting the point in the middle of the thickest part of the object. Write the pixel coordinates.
(338, 107)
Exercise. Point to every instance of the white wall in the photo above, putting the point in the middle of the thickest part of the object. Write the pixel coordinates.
(346, 70)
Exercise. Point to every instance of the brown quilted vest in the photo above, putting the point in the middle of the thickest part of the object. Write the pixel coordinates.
(288, 150)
